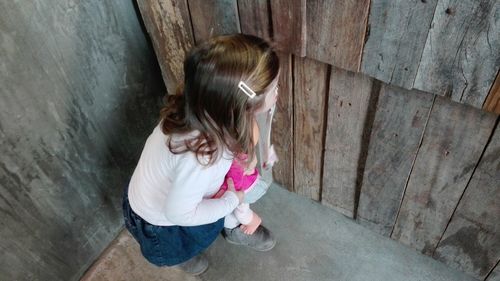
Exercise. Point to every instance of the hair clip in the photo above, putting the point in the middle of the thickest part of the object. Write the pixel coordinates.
(244, 87)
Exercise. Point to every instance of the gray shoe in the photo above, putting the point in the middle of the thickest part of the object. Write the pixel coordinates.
(195, 266)
(261, 240)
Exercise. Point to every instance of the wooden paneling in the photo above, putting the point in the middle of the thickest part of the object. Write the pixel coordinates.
(348, 103)
(396, 133)
(453, 142)
(471, 242)
(310, 89)
(213, 17)
(492, 103)
(462, 54)
(282, 135)
(289, 25)
(255, 18)
(168, 24)
(336, 31)
(398, 30)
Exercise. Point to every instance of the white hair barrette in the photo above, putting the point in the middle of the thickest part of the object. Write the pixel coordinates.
(247, 90)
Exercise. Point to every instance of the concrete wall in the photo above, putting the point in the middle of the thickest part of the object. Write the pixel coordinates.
(80, 89)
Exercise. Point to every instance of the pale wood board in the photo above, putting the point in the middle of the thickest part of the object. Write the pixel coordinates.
(399, 124)
(282, 135)
(336, 31)
(471, 242)
(348, 103)
(213, 17)
(255, 18)
(310, 89)
(397, 34)
(169, 27)
(454, 139)
(492, 103)
(462, 53)
(289, 25)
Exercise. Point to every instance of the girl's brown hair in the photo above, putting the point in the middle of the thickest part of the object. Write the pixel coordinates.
(210, 101)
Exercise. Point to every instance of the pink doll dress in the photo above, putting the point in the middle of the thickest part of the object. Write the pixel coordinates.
(241, 181)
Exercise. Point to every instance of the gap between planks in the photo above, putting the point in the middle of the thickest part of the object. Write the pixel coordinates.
(413, 164)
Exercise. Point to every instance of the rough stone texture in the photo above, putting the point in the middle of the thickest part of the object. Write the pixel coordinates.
(325, 245)
(79, 93)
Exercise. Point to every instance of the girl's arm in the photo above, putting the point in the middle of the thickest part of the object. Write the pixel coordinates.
(185, 205)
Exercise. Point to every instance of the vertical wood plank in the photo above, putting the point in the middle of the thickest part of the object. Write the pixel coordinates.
(348, 103)
(213, 17)
(398, 30)
(471, 242)
(462, 53)
(254, 18)
(310, 89)
(492, 103)
(282, 135)
(397, 129)
(336, 31)
(453, 142)
(495, 273)
(289, 25)
(168, 24)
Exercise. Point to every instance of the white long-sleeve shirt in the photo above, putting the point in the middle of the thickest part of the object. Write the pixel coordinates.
(175, 189)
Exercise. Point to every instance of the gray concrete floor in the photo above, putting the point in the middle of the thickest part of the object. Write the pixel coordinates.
(314, 243)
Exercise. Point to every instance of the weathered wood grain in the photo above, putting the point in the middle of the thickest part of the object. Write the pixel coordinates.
(471, 242)
(336, 31)
(453, 141)
(282, 135)
(310, 90)
(462, 53)
(492, 103)
(495, 274)
(348, 108)
(397, 35)
(399, 124)
(289, 25)
(169, 27)
(213, 17)
(79, 93)
(255, 18)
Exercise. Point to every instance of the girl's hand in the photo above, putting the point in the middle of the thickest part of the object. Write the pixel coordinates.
(250, 169)
(250, 228)
(230, 187)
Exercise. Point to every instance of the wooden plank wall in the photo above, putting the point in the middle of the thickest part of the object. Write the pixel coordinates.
(474, 231)
(400, 120)
(398, 30)
(168, 23)
(310, 78)
(462, 53)
(387, 111)
(454, 138)
(349, 99)
(336, 31)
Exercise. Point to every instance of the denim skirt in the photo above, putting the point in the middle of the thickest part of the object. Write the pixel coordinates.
(169, 245)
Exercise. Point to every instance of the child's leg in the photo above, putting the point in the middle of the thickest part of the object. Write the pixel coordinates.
(230, 221)
(260, 188)
(243, 213)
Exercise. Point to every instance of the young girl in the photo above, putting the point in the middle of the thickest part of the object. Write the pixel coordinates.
(168, 206)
